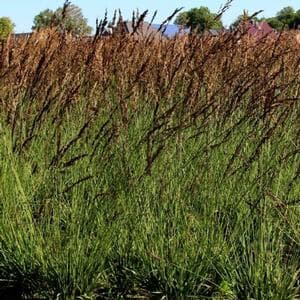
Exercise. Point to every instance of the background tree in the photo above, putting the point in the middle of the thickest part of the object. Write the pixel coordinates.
(287, 18)
(44, 19)
(69, 18)
(6, 27)
(199, 19)
(275, 23)
(297, 19)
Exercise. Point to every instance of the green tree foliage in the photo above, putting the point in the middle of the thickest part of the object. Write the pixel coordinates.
(44, 19)
(287, 18)
(69, 18)
(199, 19)
(6, 27)
(297, 19)
(276, 24)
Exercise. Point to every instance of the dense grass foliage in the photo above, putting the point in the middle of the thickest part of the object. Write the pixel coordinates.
(158, 169)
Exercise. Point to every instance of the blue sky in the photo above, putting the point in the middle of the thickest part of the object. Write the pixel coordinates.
(23, 12)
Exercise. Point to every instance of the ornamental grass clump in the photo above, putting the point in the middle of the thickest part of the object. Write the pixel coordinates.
(149, 167)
